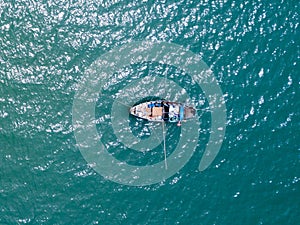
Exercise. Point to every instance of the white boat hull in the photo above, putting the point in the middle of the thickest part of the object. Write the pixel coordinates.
(162, 111)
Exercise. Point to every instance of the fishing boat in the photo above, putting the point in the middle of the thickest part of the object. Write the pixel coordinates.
(163, 111)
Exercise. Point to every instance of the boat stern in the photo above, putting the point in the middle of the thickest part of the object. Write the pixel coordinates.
(189, 112)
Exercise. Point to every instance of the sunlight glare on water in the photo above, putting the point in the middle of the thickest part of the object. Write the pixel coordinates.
(46, 49)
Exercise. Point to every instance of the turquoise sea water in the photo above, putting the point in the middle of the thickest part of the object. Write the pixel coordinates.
(252, 47)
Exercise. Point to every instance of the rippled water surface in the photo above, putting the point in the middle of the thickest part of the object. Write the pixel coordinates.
(252, 47)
